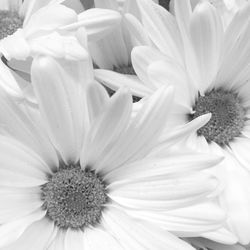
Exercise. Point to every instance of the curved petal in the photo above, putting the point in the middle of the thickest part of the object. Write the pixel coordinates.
(162, 192)
(97, 22)
(206, 35)
(141, 135)
(106, 129)
(10, 232)
(20, 166)
(139, 235)
(36, 236)
(60, 100)
(18, 202)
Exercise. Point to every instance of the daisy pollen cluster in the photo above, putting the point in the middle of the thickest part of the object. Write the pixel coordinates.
(160, 164)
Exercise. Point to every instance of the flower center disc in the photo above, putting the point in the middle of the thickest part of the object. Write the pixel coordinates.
(74, 198)
(228, 116)
(10, 22)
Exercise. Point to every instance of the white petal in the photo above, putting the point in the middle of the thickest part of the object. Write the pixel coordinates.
(59, 241)
(115, 81)
(96, 239)
(15, 46)
(138, 33)
(169, 73)
(162, 28)
(206, 34)
(142, 133)
(59, 98)
(74, 239)
(20, 166)
(57, 46)
(97, 22)
(48, 18)
(22, 125)
(10, 232)
(18, 202)
(97, 99)
(171, 164)
(106, 129)
(162, 193)
(221, 235)
(186, 221)
(36, 236)
(136, 235)
(142, 57)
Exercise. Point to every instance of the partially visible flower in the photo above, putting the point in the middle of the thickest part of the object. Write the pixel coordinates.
(82, 173)
(209, 67)
(28, 25)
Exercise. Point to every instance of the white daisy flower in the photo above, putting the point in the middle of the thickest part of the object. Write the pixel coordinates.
(79, 175)
(210, 69)
(26, 25)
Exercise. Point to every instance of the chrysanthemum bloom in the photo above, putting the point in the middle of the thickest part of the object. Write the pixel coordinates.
(30, 27)
(209, 67)
(82, 173)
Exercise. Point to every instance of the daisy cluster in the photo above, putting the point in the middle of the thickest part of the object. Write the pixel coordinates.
(124, 125)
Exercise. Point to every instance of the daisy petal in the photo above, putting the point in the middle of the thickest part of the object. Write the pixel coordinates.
(97, 22)
(162, 192)
(18, 202)
(59, 99)
(59, 241)
(10, 232)
(26, 128)
(74, 240)
(136, 235)
(113, 121)
(115, 81)
(186, 221)
(36, 236)
(20, 166)
(171, 165)
(49, 18)
(206, 34)
(161, 27)
(142, 133)
(97, 99)
(106, 241)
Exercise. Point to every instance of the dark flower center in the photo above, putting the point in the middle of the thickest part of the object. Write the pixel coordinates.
(10, 22)
(74, 198)
(228, 116)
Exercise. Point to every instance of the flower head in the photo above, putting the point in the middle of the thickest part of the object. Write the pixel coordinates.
(83, 172)
(209, 67)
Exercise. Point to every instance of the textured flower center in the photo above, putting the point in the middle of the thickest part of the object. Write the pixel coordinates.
(126, 70)
(74, 198)
(9, 23)
(228, 116)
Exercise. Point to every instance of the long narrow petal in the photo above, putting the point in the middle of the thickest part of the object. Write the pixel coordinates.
(10, 232)
(18, 202)
(36, 236)
(170, 165)
(161, 193)
(106, 129)
(74, 240)
(20, 166)
(60, 100)
(142, 133)
(136, 235)
(206, 34)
